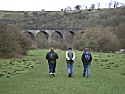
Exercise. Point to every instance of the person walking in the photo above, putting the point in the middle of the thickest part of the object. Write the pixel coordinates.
(51, 57)
(86, 59)
(70, 57)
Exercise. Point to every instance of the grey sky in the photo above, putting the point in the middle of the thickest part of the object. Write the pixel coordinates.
(48, 5)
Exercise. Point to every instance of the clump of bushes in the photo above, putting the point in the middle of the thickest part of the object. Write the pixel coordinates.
(12, 42)
(64, 47)
(98, 38)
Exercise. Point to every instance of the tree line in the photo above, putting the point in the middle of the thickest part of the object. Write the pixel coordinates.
(111, 4)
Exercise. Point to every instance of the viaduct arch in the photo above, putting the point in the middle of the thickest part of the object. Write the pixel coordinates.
(48, 32)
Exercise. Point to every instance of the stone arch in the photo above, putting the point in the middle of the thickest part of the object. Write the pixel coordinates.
(46, 34)
(31, 34)
(55, 36)
(72, 33)
(69, 37)
(41, 39)
(60, 34)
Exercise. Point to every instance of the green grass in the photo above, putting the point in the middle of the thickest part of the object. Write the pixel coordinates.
(30, 75)
(11, 15)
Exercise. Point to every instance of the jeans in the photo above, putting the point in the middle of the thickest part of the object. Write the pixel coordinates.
(52, 67)
(86, 70)
(70, 67)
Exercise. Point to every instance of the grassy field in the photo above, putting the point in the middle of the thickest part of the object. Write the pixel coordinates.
(30, 75)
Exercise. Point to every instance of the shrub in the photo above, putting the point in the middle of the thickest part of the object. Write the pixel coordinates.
(98, 39)
(64, 47)
(12, 42)
(41, 41)
(53, 43)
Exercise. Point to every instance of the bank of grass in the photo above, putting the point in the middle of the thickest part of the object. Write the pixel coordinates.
(107, 75)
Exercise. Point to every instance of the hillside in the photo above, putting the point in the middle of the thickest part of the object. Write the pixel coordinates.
(70, 19)
(106, 19)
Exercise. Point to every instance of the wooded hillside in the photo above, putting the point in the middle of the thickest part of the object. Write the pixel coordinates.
(111, 21)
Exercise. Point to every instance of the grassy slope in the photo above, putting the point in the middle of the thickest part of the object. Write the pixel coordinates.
(13, 15)
(106, 76)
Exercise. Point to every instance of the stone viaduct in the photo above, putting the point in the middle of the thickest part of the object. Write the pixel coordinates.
(49, 31)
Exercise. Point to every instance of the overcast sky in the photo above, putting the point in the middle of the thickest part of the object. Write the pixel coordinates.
(49, 5)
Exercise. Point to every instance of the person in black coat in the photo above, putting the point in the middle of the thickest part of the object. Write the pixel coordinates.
(51, 57)
(86, 59)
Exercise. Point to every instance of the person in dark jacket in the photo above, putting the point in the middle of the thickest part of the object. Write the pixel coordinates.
(86, 59)
(51, 57)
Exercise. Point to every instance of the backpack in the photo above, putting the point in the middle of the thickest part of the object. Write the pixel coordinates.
(51, 56)
(87, 56)
(70, 54)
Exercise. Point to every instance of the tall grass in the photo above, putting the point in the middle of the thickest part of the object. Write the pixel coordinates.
(107, 75)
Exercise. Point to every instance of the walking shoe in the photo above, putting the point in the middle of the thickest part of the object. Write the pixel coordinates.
(69, 75)
(54, 75)
(51, 75)
(88, 76)
(83, 75)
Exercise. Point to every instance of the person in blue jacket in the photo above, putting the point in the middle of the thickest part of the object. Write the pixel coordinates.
(86, 59)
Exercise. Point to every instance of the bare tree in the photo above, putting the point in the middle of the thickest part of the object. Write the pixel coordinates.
(68, 8)
(122, 4)
(110, 4)
(92, 6)
(85, 6)
(26, 14)
(98, 4)
(43, 10)
(78, 7)
(116, 4)
(61, 9)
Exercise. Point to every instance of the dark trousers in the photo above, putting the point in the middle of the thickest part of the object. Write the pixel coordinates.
(52, 67)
